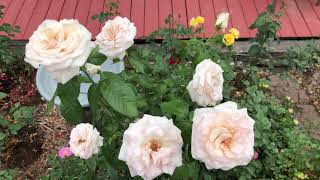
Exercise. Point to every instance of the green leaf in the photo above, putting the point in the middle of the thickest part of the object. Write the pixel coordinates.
(2, 136)
(120, 96)
(176, 107)
(71, 110)
(137, 65)
(254, 50)
(96, 57)
(186, 172)
(71, 89)
(93, 98)
(2, 95)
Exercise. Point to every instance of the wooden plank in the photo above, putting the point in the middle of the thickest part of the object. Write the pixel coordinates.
(6, 4)
(261, 5)
(94, 25)
(151, 17)
(165, 9)
(296, 18)
(180, 12)
(137, 16)
(125, 8)
(55, 9)
(82, 11)
(286, 29)
(310, 17)
(69, 9)
(25, 16)
(12, 12)
(315, 7)
(238, 19)
(250, 14)
(207, 11)
(38, 16)
(222, 6)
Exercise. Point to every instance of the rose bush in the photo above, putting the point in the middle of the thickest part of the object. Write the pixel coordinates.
(151, 115)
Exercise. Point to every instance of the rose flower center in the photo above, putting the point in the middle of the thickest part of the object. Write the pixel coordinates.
(80, 141)
(221, 137)
(112, 32)
(154, 145)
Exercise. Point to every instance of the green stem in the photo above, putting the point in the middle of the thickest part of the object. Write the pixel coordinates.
(84, 70)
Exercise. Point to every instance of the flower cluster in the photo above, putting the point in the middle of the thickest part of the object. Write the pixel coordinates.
(62, 47)
(195, 22)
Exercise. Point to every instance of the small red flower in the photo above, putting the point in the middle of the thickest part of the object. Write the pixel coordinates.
(58, 135)
(172, 61)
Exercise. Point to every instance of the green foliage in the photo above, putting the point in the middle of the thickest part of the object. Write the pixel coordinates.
(111, 10)
(18, 117)
(8, 174)
(302, 57)
(155, 82)
(10, 58)
(267, 24)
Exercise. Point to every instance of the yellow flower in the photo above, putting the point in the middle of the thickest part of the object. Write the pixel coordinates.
(301, 175)
(228, 39)
(194, 22)
(290, 111)
(235, 33)
(200, 19)
(296, 122)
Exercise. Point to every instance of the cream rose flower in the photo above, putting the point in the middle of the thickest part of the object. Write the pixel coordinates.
(116, 37)
(152, 146)
(222, 21)
(85, 140)
(61, 47)
(222, 137)
(207, 84)
(92, 69)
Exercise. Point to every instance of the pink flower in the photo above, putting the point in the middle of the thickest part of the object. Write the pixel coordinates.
(256, 155)
(152, 146)
(65, 152)
(222, 137)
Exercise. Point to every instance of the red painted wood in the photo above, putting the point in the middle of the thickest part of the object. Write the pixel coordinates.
(250, 14)
(193, 9)
(296, 18)
(310, 17)
(238, 19)
(69, 9)
(180, 12)
(261, 5)
(82, 11)
(165, 9)
(222, 6)
(316, 8)
(38, 16)
(125, 8)
(137, 16)
(207, 11)
(25, 16)
(94, 25)
(12, 11)
(55, 9)
(151, 16)
(6, 4)
(286, 29)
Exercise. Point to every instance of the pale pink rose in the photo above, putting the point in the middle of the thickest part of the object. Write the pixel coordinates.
(62, 47)
(152, 146)
(116, 37)
(222, 137)
(207, 84)
(85, 141)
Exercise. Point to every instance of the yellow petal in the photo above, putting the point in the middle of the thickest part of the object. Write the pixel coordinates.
(200, 19)
(228, 39)
(193, 22)
(235, 32)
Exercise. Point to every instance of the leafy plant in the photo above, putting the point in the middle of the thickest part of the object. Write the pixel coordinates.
(111, 10)
(8, 174)
(19, 117)
(267, 24)
(10, 57)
